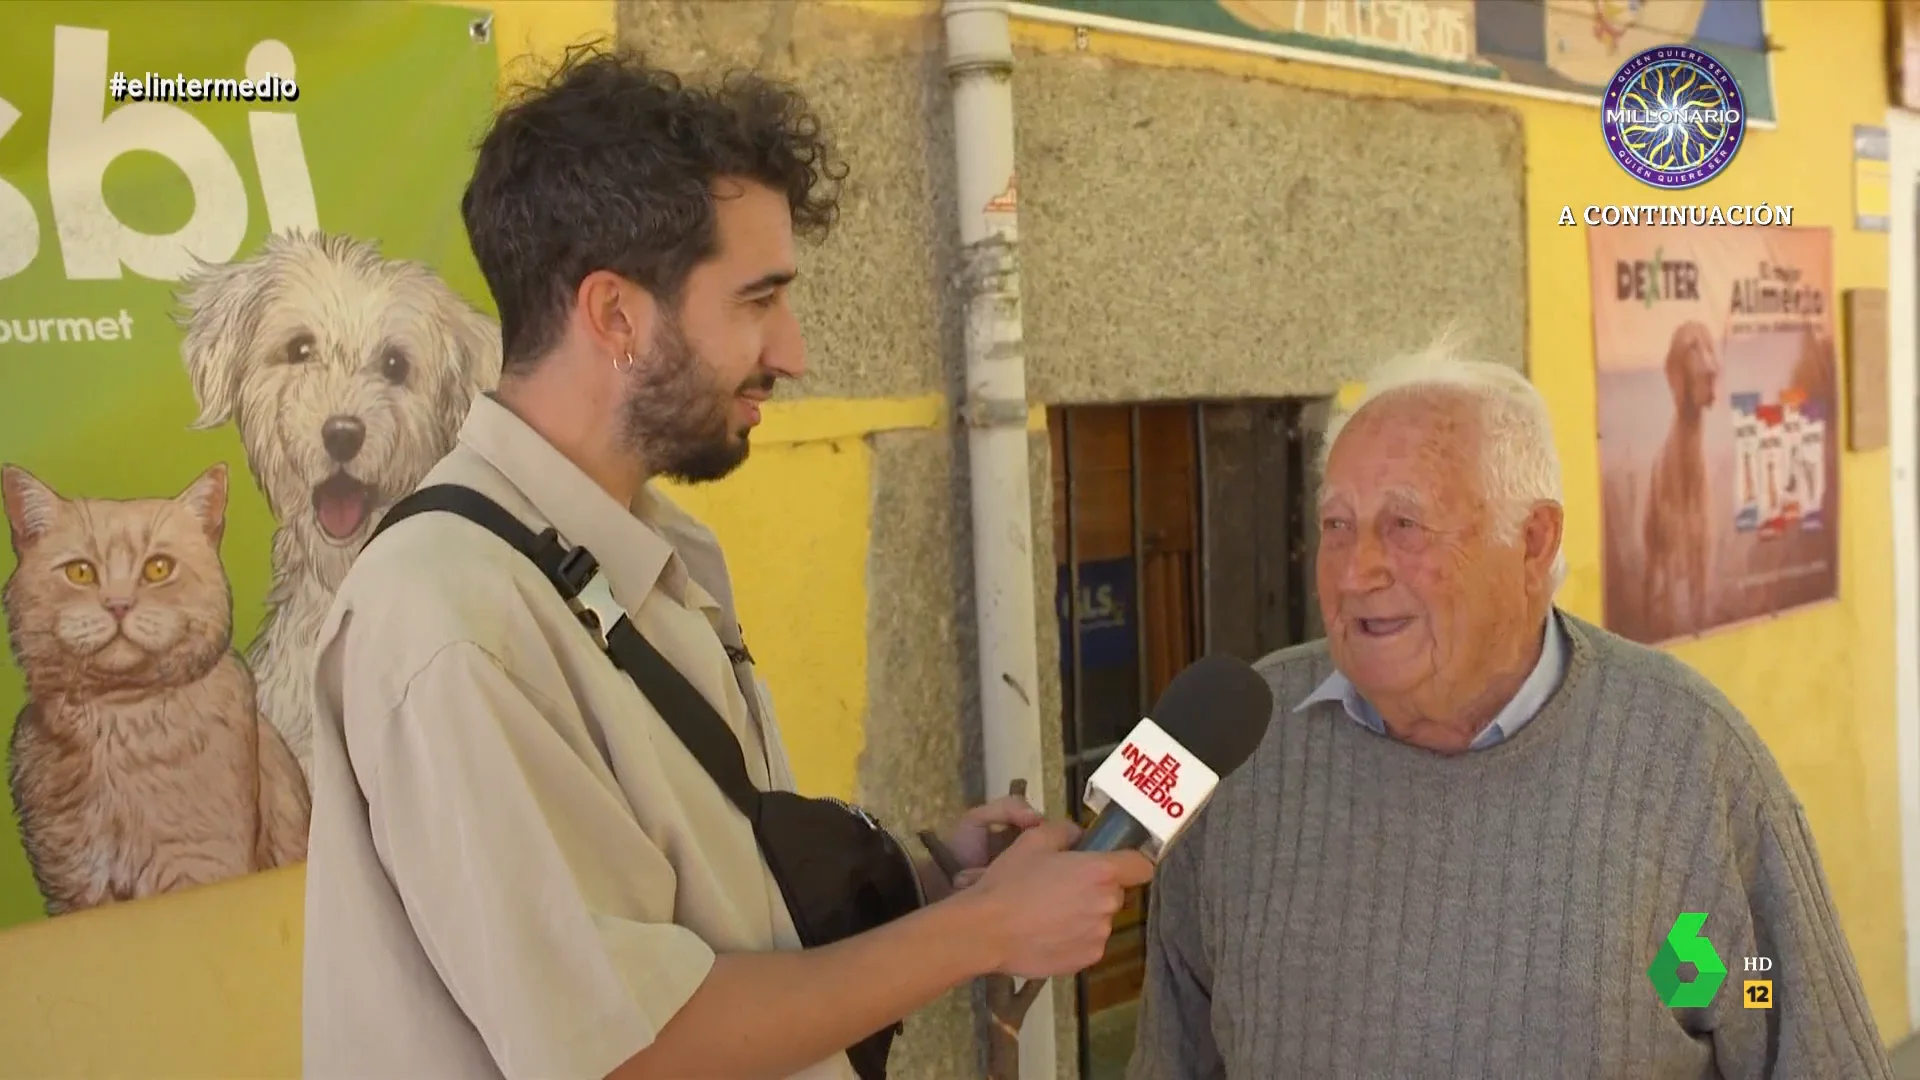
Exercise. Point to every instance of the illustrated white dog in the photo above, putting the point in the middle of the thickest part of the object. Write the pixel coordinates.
(348, 376)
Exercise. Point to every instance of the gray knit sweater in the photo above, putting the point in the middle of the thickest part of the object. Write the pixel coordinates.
(1352, 906)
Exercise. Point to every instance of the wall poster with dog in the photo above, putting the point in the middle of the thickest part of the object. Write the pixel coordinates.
(232, 332)
(1719, 437)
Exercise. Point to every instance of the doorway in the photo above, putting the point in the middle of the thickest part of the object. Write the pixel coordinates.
(1180, 530)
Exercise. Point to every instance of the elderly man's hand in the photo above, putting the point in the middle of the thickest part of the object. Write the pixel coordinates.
(970, 839)
(965, 849)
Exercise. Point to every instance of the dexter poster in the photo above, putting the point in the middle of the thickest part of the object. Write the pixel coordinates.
(1719, 443)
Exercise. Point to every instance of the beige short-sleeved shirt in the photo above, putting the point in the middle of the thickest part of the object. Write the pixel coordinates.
(515, 869)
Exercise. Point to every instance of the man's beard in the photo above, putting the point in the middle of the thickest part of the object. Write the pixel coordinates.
(677, 419)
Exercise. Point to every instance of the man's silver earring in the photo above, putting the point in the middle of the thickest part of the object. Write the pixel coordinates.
(622, 368)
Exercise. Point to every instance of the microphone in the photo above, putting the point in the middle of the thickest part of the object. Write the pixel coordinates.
(1205, 725)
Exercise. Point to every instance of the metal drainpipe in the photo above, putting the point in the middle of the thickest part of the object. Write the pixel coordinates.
(980, 69)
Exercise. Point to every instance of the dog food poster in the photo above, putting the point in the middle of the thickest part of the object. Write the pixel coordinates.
(235, 324)
(1719, 447)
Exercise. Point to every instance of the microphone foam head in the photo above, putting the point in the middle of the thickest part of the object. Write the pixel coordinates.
(1218, 708)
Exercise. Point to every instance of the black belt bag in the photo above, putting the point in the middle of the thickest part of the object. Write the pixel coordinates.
(840, 873)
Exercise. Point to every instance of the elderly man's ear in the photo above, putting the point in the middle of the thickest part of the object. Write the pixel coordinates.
(1541, 535)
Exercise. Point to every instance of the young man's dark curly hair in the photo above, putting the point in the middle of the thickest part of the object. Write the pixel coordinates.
(610, 164)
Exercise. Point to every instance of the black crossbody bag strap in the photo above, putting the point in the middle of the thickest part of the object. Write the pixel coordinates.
(694, 720)
(838, 871)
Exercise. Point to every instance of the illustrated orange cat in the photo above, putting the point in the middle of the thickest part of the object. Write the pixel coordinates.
(139, 765)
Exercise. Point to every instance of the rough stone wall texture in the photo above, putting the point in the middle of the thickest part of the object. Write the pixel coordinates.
(873, 297)
(1184, 233)
(1190, 234)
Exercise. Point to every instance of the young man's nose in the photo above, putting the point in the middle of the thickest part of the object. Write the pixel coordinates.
(786, 351)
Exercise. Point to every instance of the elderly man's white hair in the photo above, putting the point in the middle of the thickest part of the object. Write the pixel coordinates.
(1521, 462)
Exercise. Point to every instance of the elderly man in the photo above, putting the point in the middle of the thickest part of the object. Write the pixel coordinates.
(1475, 819)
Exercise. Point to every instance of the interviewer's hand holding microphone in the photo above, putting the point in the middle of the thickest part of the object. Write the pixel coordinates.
(1050, 908)
(1054, 891)
(1038, 906)
(1053, 907)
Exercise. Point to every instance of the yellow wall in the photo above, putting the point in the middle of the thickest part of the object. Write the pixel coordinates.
(804, 499)
(206, 983)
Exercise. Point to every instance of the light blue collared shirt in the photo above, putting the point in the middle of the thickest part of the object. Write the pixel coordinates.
(1525, 705)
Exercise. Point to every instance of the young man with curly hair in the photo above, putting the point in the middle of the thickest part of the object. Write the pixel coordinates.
(517, 868)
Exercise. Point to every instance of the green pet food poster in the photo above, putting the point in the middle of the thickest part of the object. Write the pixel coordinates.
(238, 319)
